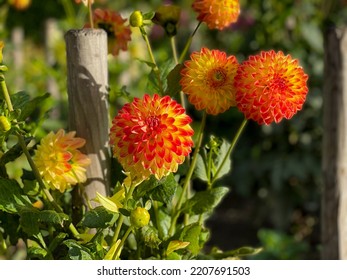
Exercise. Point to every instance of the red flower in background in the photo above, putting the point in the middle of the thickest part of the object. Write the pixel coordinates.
(151, 136)
(117, 32)
(208, 80)
(217, 14)
(270, 86)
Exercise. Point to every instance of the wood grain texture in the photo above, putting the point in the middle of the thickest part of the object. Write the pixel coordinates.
(87, 82)
(334, 195)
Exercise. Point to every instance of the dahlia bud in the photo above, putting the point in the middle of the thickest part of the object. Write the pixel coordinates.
(168, 16)
(136, 19)
(5, 124)
(139, 217)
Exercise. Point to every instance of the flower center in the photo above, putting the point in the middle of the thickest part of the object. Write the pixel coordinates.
(216, 78)
(278, 85)
(152, 122)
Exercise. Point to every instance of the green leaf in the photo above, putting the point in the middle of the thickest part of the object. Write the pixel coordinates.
(20, 99)
(222, 152)
(98, 217)
(107, 203)
(30, 219)
(150, 236)
(237, 253)
(35, 252)
(176, 245)
(29, 107)
(15, 152)
(204, 201)
(173, 81)
(195, 235)
(57, 241)
(145, 187)
(78, 251)
(200, 169)
(12, 198)
(166, 190)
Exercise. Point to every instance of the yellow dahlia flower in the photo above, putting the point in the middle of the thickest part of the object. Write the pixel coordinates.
(270, 86)
(217, 14)
(59, 161)
(208, 80)
(151, 136)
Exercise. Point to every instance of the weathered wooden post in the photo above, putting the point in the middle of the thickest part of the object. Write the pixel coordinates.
(87, 82)
(334, 196)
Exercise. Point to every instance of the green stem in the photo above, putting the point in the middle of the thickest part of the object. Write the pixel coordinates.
(121, 244)
(90, 13)
(121, 217)
(6, 94)
(188, 44)
(150, 52)
(231, 148)
(177, 209)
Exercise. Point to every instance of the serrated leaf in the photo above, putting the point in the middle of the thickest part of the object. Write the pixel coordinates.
(145, 187)
(173, 81)
(192, 234)
(150, 236)
(36, 253)
(30, 219)
(78, 251)
(166, 190)
(176, 245)
(98, 217)
(204, 201)
(29, 107)
(12, 198)
(19, 99)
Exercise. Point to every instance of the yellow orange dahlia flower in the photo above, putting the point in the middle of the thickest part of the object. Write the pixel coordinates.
(217, 14)
(118, 34)
(151, 136)
(59, 161)
(270, 86)
(208, 80)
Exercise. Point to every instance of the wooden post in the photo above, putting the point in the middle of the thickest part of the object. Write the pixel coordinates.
(87, 82)
(334, 196)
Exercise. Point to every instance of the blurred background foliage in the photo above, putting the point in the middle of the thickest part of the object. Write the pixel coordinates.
(276, 175)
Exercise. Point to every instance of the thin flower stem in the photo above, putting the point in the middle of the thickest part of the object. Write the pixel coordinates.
(150, 52)
(121, 217)
(177, 209)
(174, 53)
(230, 150)
(6, 94)
(188, 44)
(121, 244)
(90, 12)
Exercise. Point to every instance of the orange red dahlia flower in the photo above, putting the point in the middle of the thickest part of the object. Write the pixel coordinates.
(151, 136)
(59, 161)
(270, 86)
(208, 80)
(217, 14)
(118, 34)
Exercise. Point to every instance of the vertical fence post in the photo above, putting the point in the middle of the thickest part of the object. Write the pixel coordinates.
(334, 196)
(87, 82)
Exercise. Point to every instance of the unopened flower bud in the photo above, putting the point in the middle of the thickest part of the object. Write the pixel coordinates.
(5, 124)
(136, 19)
(139, 217)
(168, 17)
